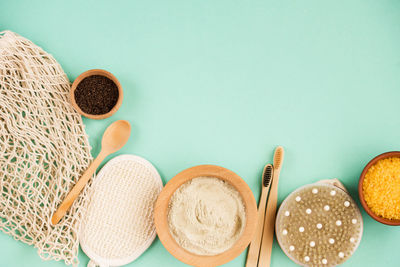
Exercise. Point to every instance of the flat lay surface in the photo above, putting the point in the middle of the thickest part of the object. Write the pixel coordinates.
(225, 82)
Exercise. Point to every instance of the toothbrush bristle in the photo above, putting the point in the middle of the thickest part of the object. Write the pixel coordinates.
(278, 157)
(267, 175)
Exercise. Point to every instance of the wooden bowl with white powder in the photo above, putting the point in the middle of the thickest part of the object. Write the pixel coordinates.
(206, 215)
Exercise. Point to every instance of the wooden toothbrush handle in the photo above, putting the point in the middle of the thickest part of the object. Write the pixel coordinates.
(269, 224)
(76, 190)
(254, 249)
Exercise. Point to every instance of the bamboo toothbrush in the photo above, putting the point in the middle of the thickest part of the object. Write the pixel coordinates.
(269, 221)
(254, 249)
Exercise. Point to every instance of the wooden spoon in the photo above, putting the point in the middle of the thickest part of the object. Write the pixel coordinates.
(114, 138)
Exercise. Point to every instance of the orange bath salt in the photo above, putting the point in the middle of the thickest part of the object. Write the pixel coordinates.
(381, 188)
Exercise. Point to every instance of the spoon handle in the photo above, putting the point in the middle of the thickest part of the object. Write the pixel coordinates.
(76, 190)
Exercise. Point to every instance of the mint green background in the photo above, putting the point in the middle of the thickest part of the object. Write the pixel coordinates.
(225, 81)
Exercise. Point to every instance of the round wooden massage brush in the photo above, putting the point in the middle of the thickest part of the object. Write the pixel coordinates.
(319, 224)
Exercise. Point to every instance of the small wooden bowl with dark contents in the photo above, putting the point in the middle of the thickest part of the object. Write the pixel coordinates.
(96, 94)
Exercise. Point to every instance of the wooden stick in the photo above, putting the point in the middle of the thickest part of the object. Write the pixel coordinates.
(254, 249)
(269, 224)
(269, 221)
(76, 190)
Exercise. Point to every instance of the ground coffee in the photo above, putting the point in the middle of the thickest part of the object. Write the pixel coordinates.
(96, 95)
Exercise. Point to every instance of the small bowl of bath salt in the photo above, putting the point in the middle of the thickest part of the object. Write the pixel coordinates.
(206, 215)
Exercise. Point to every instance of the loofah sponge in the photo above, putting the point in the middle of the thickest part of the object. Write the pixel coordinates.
(118, 225)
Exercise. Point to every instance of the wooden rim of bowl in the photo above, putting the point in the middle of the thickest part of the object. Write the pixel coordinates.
(91, 73)
(161, 213)
(380, 219)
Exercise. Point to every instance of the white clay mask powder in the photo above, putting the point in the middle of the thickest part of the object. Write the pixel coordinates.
(206, 216)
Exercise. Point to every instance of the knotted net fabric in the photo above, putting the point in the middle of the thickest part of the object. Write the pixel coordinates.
(43, 150)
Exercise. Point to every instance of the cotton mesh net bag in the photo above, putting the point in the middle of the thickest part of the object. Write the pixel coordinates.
(119, 223)
(43, 149)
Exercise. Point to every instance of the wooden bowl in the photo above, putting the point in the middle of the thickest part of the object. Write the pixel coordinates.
(360, 188)
(161, 213)
(90, 73)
